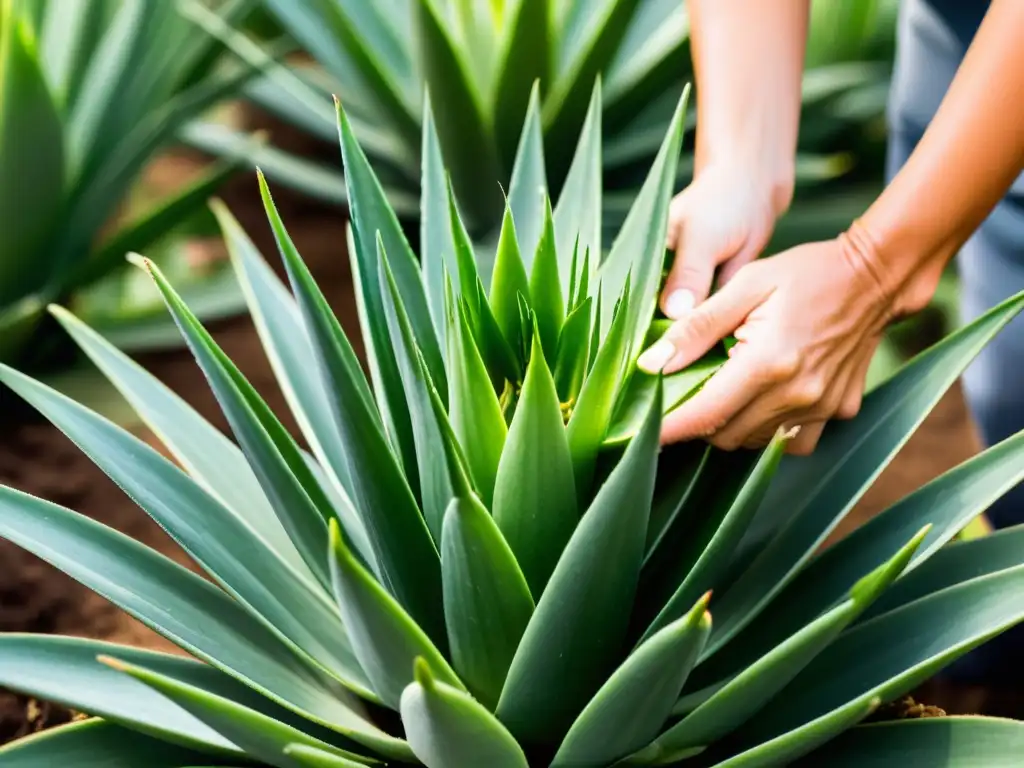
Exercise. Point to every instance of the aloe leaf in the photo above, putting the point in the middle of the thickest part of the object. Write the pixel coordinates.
(865, 661)
(529, 186)
(957, 742)
(593, 412)
(407, 560)
(465, 132)
(849, 457)
(578, 211)
(952, 565)
(222, 542)
(758, 684)
(385, 638)
(545, 291)
(297, 499)
(588, 597)
(534, 492)
(209, 457)
(68, 40)
(187, 609)
(679, 387)
(96, 744)
(788, 746)
(256, 734)
(639, 250)
(437, 246)
(435, 471)
(573, 352)
(446, 727)
(370, 213)
(635, 702)
(473, 407)
(688, 461)
(31, 161)
(525, 59)
(487, 601)
(508, 282)
(316, 758)
(279, 325)
(947, 503)
(702, 565)
(495, 350)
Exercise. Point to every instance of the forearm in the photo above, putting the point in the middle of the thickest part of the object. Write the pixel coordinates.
(748, 60)
(964, 164)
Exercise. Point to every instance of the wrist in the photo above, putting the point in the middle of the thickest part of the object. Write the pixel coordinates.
(770, 182)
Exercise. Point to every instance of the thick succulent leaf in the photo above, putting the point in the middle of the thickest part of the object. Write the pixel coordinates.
(578, 211)
(279, 324)
(31, 160)
(209, 457)
(593, 412)
(947, 504)
(465, 132)
(64, 670)
(311, 757)
(529, 186)
(525, 60)
(580, 623)
(638, 252)
(952, 742)
(679, 387)
(634, 704)
(573, 352)
(545, 292)
(438, 473)
(473, 407)
(97, 744)
(849, 457)
(186, 609)
(385, 638)
(216, 538)
(534, 493)
(497, 354)
(758, 684)
(407, 560)
(888, 656)
(509, 282)
(487, 602)
(446, 727)
(793, 744)
(68, 40)
(952, 565)
(297, 498)
(256, 734)
(437, 246)
(370, 213)
(705, 557)
(677, 485)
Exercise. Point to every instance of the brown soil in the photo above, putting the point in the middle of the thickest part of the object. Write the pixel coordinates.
(37, 459)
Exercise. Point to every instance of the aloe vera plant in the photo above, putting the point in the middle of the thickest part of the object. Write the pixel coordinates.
(90, 90)
(484, 559)
(481, 58)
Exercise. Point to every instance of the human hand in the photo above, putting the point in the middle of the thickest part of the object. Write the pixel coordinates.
(807, 323)
(724, 218)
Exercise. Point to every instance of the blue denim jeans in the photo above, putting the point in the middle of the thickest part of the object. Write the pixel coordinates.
(932, 40)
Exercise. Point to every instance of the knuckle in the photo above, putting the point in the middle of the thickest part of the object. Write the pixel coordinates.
(779, 366)
(809, 392)
(849, 408)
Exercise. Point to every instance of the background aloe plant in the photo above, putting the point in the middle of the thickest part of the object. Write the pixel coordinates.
(480, 60)
(488, 542)
(90, 91)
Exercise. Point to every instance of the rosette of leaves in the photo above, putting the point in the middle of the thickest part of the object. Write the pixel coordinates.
(484, 559)
(90, 92)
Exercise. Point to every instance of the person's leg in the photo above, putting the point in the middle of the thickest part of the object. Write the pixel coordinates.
(930, 48)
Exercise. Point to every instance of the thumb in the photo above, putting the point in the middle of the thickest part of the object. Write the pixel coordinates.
(690, 338)
(689, 282)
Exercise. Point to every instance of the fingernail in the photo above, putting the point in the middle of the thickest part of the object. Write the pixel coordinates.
(678, 303)
(657, 357)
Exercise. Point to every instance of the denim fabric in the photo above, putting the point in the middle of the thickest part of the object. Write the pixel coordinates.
(933, 37)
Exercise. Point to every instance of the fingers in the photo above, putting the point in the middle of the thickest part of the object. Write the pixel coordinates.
(689, 282)
(806, 439)
(751, 249)
(691, 337)
(853, 396)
